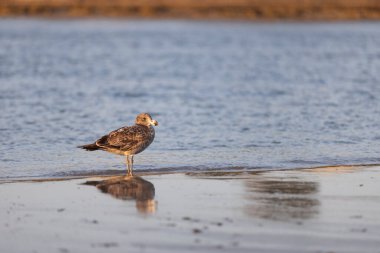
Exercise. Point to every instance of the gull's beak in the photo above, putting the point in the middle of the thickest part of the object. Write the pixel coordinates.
(154, 123)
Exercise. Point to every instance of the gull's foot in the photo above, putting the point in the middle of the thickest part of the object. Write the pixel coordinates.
(128, 176)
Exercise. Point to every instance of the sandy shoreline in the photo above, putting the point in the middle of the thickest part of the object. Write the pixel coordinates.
(209, 9)
(315, 210)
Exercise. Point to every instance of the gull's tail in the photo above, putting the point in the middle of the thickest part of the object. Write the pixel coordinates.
(89, 147)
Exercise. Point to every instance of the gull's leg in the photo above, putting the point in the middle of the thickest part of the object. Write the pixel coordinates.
(129, 171)
(131, 158)
(130, 165)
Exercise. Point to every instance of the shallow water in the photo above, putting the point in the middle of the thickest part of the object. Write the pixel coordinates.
(226, 95)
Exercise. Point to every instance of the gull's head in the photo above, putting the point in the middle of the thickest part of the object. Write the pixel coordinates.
(146, 120)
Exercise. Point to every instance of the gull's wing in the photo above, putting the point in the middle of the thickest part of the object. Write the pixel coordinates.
(123, 138)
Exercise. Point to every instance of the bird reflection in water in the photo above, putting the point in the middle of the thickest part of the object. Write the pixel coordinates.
(129, 188)
(278, 199)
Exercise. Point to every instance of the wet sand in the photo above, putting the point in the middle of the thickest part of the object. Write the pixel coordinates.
(332, 209)
(207, 9)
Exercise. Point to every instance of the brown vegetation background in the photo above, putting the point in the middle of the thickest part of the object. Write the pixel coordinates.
(207, 9)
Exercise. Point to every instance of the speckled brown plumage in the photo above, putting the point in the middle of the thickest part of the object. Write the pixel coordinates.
(128, 140)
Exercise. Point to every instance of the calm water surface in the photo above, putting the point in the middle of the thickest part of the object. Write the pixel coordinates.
(226, 95)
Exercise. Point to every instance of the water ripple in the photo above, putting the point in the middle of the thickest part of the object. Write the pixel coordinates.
(227, 95)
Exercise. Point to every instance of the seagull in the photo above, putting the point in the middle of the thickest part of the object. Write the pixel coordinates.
(127, 140)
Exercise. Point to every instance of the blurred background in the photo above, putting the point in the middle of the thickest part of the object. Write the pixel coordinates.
(296, 89)
(237, 9)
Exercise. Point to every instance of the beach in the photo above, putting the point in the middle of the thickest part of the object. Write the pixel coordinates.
(326, 209)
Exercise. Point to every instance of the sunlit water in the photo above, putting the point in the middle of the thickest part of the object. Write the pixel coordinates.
(226, 95)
